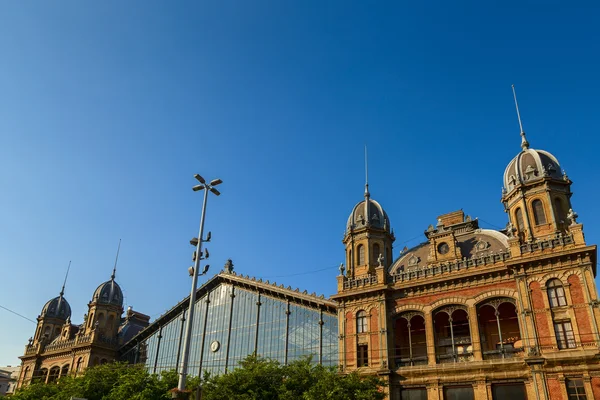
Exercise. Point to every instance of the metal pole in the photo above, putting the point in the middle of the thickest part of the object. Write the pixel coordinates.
(190, 317)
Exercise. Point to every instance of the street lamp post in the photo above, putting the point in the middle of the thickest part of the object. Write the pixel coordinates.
(194, 272)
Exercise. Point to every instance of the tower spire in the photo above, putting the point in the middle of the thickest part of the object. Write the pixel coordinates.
(524, 142)
(62, 291)
(367, 194)
(112, 277)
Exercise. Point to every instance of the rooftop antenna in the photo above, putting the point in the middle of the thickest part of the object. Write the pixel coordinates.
(524, 142)
(62, 291)
(112, 277)
(366, 173)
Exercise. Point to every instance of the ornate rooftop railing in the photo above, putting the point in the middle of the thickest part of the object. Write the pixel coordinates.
(360, 282)
(440, 269)
(547, 243)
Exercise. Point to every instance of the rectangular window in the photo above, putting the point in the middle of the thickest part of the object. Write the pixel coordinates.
(413, 394)
(459, 393)
(575, 389)
(564, 335)
(512, 391)
(363, 355)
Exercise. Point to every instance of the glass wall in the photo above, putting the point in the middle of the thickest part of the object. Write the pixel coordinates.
(230, 323)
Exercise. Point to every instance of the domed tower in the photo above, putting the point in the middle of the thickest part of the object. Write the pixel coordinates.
(105, 309)
(536, 194)
(54, 315)
(368, 238)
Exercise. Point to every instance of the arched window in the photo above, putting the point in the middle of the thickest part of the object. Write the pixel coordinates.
(558, 208)
(361, 254)
(101, 320)
(519, 219)
(556, 293)
(361, 322)
(110, 323)
(78, 365)
(26, 375)
(65, 370)
(376, 252)
(349, 258)
(47, 331)
(54, 374)
(538, 212)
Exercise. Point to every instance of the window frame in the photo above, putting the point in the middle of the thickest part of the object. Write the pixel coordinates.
(360, 256)
(577, 390)
(539, 214)
(361, 322)
(565, 338)
(556, 293)
(362, 355)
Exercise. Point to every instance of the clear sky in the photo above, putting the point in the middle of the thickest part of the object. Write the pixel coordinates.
(107, 110)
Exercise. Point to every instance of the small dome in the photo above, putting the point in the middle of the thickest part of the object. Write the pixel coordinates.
(377, 217)
(109, 293)
(531, 165)
(58, 307)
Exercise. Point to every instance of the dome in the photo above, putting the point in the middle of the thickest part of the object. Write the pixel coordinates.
(109, 293)
(58, 307)
(531, 165)
(377, 216)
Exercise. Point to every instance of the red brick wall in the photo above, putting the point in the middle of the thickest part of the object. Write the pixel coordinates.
(374, 342)
(466, 292)
(349, 339)
(596, 387)
(581, 313)
(555, 388)
(541, 319)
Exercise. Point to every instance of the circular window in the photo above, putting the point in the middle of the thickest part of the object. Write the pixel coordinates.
(443, 248)
(215, 346)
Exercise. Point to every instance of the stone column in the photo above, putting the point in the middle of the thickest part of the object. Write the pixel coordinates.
(474, 328)
(430, 338)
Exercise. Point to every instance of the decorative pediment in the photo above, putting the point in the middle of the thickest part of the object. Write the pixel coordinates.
(413, 261)
(481, 245)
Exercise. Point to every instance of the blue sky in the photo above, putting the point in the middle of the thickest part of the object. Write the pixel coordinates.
(108, 110)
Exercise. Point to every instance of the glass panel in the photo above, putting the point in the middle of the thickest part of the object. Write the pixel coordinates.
(459, 393)
(575, 389)
(304, 333)
(413, 394)
(512, 391)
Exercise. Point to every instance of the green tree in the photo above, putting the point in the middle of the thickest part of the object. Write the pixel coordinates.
(256, 378)
(261, 379)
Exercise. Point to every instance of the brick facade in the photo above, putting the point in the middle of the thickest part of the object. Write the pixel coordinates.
(472, 310)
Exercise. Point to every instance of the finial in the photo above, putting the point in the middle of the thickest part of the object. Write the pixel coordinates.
(367, 194)
(524, 142)
(62, 291)
(112, 277)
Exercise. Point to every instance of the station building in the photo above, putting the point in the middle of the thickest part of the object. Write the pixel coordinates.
(469, 313)
(474, 313)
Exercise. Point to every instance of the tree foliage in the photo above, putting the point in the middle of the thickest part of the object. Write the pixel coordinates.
(262, 379)
(256, 378)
